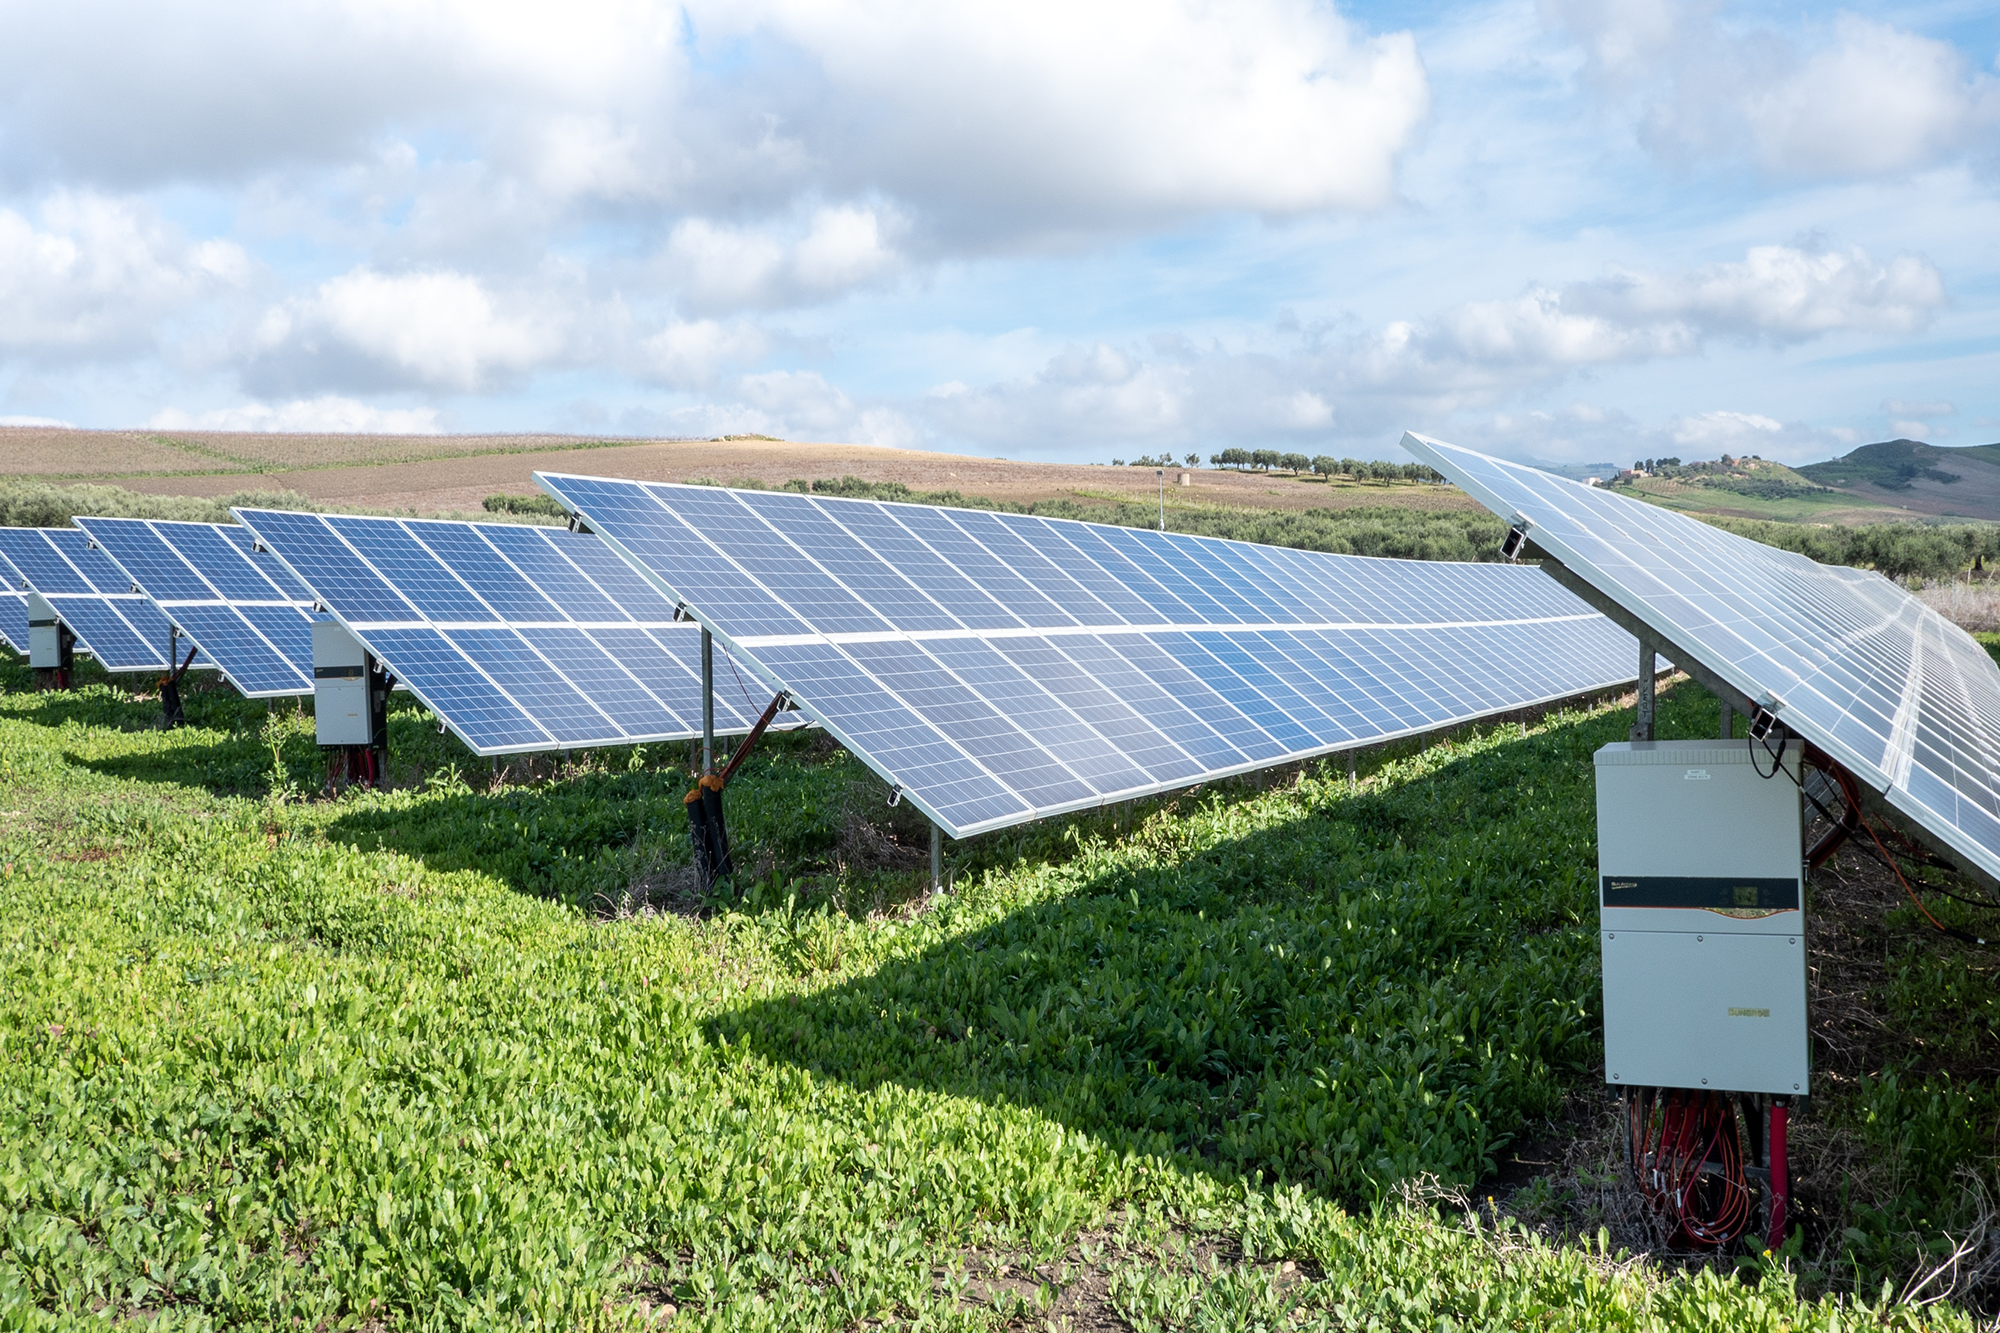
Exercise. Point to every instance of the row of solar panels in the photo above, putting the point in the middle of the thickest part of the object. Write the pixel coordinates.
(992, 667)
(998, 667)
(580, 652)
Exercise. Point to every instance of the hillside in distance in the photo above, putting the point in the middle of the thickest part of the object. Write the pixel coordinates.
(1918, 477)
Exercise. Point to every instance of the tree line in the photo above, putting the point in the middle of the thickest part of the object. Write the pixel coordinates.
(1264, 460)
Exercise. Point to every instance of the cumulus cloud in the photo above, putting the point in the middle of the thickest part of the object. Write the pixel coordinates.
(1471, 357)
(802, 405)
(689, 354)
(996, 117)
(327, 414)
(1058, 113)
(439, 330)
(715, 267)
(1855, 98)
(98, 276)
(1776, 293)
(1903, 407)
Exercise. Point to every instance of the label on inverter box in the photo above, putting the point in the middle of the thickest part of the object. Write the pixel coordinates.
(1729, 896)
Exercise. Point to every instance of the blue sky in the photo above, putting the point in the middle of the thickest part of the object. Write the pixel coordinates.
(1558, 231)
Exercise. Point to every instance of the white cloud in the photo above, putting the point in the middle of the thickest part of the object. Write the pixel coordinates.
(1855, 98)
(1726, 432)
(690, 353)
(49, 423)
(1057, 114)
(1776, 293)
(714, 267)
(327, 414)
(1876, 100)
(98, 277)
(1780, 292)
(1903, 407)
(440, 330)
(1305, 388)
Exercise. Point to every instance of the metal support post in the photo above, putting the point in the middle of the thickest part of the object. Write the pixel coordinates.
(937, 859)
(1642, 729)
(707, 702)
(1728, 721)
(1163, 498)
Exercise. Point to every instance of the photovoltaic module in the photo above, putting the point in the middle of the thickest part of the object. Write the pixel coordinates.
(997, 668)
(1904, 699)
(249, 616)
(117, 626)
(519, 638)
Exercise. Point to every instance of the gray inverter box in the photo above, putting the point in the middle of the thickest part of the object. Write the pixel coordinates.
(1701, 908)
(341, 708)
(44, 634)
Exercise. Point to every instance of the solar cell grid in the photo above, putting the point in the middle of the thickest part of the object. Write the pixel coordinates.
(519, 638)
(1904, 699)
(219, 594)
(999, 667)
(90, 595)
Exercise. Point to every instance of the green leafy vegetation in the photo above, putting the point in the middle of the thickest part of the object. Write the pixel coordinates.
(1379, 530)
(29, 504)
(1898, 550)
(525, 506)
(1891, 465)
(426, 1056)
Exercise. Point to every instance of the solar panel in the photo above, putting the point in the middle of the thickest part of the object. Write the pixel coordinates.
(519, 638)
(997, 668)
(247, 614)
(13, 609)
(1903, 698)
(112, 623)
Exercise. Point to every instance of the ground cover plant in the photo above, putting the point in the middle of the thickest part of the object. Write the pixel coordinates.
(464, 1052)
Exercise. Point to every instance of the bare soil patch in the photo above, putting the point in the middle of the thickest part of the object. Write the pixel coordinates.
(454, 473)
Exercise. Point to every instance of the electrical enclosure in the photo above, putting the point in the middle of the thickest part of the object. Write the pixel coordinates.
(343, 712)
(45, 648)
(1701, 893)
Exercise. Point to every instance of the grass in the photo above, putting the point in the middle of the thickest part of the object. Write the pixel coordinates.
(1801, 507)
(426, 1057)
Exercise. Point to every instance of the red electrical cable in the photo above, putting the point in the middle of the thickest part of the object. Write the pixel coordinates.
(1695, 1129)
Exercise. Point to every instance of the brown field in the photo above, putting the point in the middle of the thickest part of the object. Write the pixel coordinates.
(454, 473)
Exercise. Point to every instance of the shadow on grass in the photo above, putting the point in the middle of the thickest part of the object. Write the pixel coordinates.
(1391, 981)
(586, 834)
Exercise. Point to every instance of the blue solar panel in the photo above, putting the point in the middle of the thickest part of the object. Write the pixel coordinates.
(1905, 700)
(520, 638)
(14, 620)
(88, 594)
(999, 667)
(206, 579)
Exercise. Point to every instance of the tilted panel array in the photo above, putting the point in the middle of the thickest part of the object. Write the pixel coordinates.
(251, 618)
(13, 609)
(1905, 699)
(519, 638)
(117, 626)
(1000, 667)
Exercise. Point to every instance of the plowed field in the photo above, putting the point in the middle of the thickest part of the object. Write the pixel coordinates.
(455, 472)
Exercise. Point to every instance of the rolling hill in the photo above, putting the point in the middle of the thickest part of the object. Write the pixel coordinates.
(1921, 478)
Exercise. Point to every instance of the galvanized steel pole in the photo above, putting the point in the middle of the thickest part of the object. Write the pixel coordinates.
(1642, 728)
(707, 703)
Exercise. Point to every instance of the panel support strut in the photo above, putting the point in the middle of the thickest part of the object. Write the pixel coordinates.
(1649, 665)
(707, 702)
